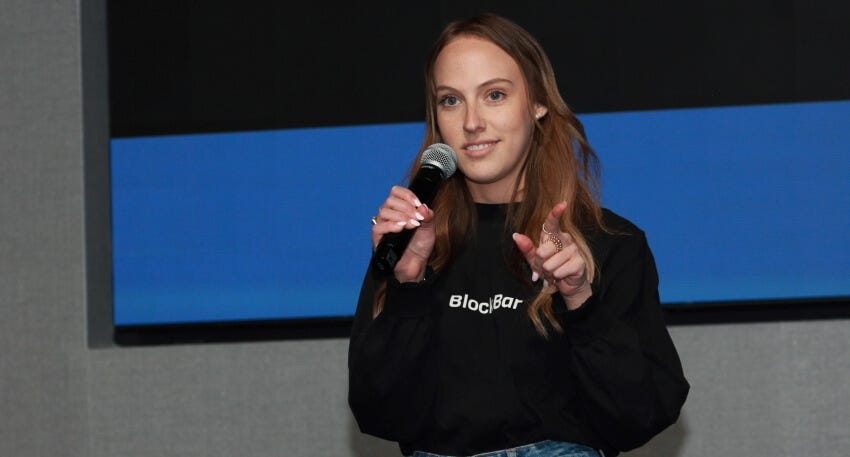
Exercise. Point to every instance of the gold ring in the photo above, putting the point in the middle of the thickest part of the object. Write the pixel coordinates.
(559, 245)
(554, 238)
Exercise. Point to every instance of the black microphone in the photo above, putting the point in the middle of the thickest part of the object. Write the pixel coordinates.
(437, 164)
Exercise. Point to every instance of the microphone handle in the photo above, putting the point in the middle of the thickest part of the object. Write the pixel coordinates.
(425, 185)
(389, 251)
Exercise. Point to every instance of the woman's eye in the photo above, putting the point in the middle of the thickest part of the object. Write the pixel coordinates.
(449, 100)
(495, 96)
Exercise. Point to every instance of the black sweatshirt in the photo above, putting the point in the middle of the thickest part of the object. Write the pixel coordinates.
(453, 365)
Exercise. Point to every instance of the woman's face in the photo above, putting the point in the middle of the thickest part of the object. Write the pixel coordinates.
(483, 114)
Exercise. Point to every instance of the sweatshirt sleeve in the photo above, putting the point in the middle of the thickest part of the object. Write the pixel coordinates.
(630, 379)
(390, 374)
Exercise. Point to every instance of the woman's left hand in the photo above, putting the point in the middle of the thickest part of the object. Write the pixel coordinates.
(557, 260)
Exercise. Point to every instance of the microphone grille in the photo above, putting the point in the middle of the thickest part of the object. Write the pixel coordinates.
(441, 156)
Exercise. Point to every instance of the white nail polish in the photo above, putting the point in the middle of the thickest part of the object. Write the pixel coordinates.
(415, 223)
(401, 223)
(534, 276)
(417, 203)
(419, 216)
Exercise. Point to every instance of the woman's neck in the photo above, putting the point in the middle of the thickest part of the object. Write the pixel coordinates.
(490, 194)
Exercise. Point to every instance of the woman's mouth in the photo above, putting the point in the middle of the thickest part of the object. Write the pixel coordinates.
(479, 149)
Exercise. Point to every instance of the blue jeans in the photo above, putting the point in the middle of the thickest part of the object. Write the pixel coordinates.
(541, 449)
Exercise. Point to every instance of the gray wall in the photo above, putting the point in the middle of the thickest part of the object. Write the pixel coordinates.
(774, 389)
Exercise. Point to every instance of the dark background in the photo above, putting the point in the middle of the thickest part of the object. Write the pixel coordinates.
(181, 67)
(221, 66)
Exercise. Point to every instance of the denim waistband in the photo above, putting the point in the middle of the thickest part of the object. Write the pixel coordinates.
(547, 448)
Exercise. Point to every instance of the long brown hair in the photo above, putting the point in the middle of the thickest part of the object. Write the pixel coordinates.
(560, 164)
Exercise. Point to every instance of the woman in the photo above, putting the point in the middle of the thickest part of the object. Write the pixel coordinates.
(522, 318)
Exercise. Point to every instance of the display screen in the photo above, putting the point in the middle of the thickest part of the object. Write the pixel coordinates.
(739, 203)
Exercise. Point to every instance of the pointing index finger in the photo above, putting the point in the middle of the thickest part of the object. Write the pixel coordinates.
(553, 223)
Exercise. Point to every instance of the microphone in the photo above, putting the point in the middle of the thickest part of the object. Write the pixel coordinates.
(437, 164)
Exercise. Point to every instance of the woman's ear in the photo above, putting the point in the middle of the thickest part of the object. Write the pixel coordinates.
(540, 111)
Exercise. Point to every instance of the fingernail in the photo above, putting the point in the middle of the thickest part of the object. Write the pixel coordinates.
(417, 203)
(415, 223)
(401, 223)
(419, 216)
(534, 276)
(545, 283)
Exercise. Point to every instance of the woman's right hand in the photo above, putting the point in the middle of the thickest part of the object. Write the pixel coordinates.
(403, 211)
